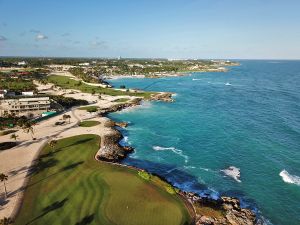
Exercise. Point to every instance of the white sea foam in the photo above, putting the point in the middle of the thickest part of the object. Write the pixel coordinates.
(173, 149)
(228, 84)
(189, 167)
(232, 172)
(196, 79)
(125, 141)
(288, 178)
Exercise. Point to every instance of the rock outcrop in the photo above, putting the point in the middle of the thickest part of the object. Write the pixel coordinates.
(163, 96)
(228, 207)
(111, 150)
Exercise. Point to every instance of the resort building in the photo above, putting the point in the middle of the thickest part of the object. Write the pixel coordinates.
(24, 106)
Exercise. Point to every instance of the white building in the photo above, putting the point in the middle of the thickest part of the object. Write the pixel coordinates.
(23, 106)
(27, 93)
(22, 63)
(84, 64)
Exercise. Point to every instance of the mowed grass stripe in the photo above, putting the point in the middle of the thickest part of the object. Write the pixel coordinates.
(70, 187)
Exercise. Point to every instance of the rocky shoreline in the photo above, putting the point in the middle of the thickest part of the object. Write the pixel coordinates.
(228, 208)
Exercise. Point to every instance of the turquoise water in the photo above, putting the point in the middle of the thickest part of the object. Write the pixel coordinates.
(248, 118)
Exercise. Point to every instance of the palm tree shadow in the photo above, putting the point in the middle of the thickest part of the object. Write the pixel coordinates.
(40, 165)
(86, 220)
(50, 208)
(68, 167)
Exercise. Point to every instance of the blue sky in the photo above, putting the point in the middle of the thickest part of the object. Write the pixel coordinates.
(255, 29)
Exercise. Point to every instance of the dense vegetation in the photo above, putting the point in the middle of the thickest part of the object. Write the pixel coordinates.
(18, 85)
(68, 186)
(79, 72)
(68, 102)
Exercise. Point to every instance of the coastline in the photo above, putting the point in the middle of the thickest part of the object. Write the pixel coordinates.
(111, 151)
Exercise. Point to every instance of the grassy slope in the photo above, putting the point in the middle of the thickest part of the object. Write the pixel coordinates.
(89, 123)
(67, 83)
(70, 187)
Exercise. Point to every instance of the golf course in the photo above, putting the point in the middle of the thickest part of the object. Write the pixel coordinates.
(68, 186)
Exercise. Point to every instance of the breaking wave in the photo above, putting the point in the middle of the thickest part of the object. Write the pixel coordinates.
(232, 172)
(288, 178)
(173, 149)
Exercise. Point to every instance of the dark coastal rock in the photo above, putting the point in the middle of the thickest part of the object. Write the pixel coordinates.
(119, 107)
(121, 124)
(165, 97)
(111, 150)
(232, 213)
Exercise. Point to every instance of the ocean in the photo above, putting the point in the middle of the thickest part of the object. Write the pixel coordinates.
(247, 118)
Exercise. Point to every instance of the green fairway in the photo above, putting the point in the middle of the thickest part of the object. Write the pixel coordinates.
(89, 123)
(69, 186)
(89, 108)
(67, 83)
(122, 100)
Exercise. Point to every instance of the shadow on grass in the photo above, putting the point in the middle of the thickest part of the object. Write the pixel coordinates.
(41, 165)
(52, 153)
(50, 208)
(68, 167)
(86, 220)
(78, 142)
(71, 166)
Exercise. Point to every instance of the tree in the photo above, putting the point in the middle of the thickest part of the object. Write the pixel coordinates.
(14, 136)
(66, 116)
(28, 128)
(3, 178)
(6, 221)
(52, 143)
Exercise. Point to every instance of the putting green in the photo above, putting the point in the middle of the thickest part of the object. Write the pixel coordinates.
(69, 187)
(89, 123)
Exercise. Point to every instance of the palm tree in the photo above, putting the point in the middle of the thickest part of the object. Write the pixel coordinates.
(52, 143)
(66, 116)
(28, 128)
(14, 136)
(4, 178)
(6, 221)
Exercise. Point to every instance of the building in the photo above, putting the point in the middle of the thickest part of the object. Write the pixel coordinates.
(24, 106)
(22, 63)
(27, 93)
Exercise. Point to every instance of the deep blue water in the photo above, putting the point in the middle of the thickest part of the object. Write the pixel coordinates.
(248, 117)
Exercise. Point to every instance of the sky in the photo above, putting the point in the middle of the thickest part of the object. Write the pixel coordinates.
(204, 29)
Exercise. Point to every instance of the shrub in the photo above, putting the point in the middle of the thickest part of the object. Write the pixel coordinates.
(170, 189)
(144, 175)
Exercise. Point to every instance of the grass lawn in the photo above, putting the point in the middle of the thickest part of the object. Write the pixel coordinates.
(67, 83)
(122, 100)
(89, 123)
(89, 108)
(70, 187)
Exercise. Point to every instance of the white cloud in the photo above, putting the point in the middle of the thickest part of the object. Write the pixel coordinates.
(40, 37)
(2, 38)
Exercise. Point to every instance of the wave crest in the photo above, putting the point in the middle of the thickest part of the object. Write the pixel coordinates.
(173, 149)
(233, 172)
(288, 178)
